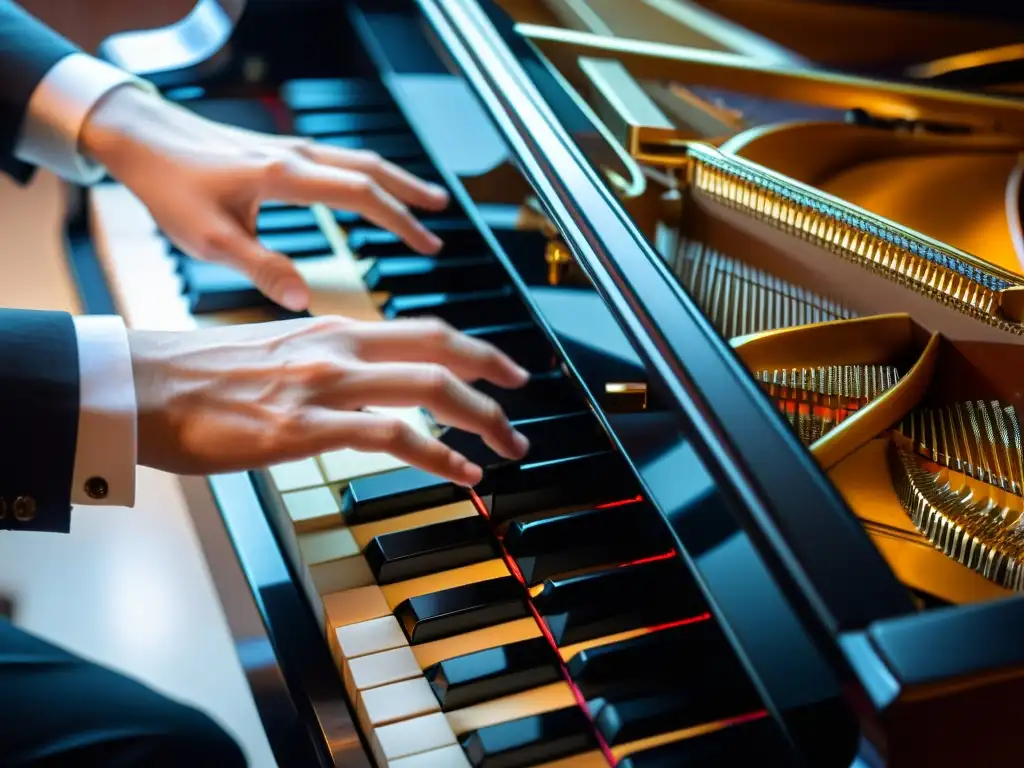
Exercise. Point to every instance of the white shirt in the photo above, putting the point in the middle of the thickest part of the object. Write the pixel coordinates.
(106, 446)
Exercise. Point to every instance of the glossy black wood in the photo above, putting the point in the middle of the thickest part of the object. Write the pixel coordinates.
(461, 609)
(593, 605)
(515, 490)
(585, 539)
(422, 274)
(430, 549)
(546, 394)
(394, 493)
(530, 740)
(492, 673)
(757, 742)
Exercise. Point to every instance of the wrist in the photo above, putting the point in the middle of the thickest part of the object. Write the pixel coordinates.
(117, 122)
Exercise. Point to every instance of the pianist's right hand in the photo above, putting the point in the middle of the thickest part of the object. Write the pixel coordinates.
(239, 397)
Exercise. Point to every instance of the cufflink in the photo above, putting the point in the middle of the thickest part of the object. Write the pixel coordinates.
(24, 509)
(96, 488)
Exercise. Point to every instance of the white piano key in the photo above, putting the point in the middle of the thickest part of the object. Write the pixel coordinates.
(114, 207)
(383, 668)
(293, 475)
(345, 465)
(398, 701)
(341, 574)
(312, 509)
(412, 737)
(354, 606)
(446, 757)
(373, 636)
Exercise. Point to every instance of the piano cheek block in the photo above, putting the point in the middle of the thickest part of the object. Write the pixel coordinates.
(461, 609)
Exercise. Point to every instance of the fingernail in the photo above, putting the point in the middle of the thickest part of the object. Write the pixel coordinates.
(520, 443)
(295, 298)
(471, 474)
(434, 242)
(522, 374)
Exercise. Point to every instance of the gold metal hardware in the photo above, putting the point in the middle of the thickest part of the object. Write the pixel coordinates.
(559, 259)
(973, 286)
(715, 69)
(625, 397)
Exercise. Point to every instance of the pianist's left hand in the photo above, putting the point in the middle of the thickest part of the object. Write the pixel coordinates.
(204, 181)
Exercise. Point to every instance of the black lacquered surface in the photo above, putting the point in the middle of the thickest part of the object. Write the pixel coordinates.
(461, 609)
(490, 674)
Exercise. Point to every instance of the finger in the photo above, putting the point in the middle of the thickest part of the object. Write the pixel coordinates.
(406, 187)
(434, 387)
(272, 273)
(375, 433)
(308, 183)
(433, 341)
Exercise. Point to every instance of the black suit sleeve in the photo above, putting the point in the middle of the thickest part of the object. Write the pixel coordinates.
(39, 403)
(28, 50)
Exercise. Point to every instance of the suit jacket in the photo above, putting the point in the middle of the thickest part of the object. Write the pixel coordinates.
(28, 50)
(39, 384)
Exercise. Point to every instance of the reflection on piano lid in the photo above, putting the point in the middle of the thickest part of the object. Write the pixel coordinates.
(691, 226)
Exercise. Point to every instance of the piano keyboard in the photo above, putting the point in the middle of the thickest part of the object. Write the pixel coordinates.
(523, 624)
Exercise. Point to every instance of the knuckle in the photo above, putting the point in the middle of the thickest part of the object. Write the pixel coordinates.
(363, 187)
(438, 381)
(438, 332)
(395, 433)
(370, 161)
(276, 167)
(214, 241)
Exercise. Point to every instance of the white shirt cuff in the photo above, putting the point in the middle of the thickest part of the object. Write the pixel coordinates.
(105, 453)
(58, 109)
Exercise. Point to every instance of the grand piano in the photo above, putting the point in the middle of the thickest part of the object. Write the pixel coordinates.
(765, 263)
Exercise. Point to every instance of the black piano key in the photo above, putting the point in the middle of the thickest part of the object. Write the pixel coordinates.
(551, 437)
(649, 685)
(423, 169)
(630, 718)
(620, 599)
(397, 147)
(285, 219)
(217, 288)
(545, 394)
(298, 244)
(530, 740)
(461, 609)
(320, 94)
(394, 493)
(585, 539)
(461, 310)
(662, 660)
(490, 674)
(431, 548)
(523, 342)
(516, 490)
(459, 236)
(341, 123)
(757, 742)
(423, 274)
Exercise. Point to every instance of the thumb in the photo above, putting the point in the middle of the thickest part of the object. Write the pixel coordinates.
(274, 274)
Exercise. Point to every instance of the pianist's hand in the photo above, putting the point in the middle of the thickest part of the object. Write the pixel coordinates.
(245, 396)
(204, 181)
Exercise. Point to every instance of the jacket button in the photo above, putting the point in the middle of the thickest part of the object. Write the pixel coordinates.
(96, 488)
(24, 508)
